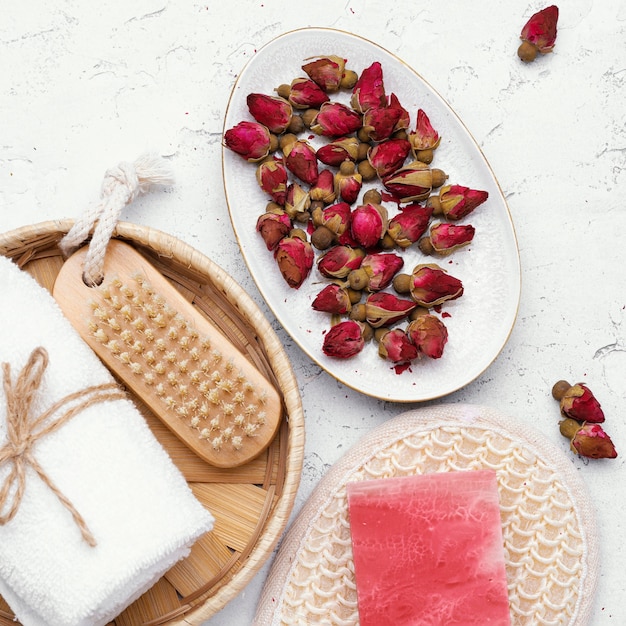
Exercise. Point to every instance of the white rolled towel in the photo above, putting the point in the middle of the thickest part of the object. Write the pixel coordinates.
(105, 461)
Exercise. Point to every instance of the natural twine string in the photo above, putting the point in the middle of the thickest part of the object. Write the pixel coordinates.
(24, 430)
(121, 185)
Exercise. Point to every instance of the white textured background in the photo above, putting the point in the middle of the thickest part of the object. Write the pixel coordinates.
(84, 85)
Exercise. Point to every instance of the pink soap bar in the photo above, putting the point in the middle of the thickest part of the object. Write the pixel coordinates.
(428, 550)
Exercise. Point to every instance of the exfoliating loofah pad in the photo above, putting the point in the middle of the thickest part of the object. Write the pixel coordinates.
(549, 531)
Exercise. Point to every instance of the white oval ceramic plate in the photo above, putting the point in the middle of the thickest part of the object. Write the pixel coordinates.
(479, 322)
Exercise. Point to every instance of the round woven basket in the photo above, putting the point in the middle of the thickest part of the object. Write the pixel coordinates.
(251, 503)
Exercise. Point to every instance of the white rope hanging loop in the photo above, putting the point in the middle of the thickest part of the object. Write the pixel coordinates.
(121, 185)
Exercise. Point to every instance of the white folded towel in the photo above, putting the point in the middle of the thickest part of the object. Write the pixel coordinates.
(109, 466)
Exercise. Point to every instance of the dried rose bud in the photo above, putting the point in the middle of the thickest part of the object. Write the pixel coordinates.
(456, 202)
(578, 402)
(369, 224)
(326, 71)
(271, 111)
(344, 340)
(414, 181)
(297, 202)
(333, 299)
(250, 140)
(395, 346)
(407, 226)
(295, 260)
(348, 182)
(429, 334)
(424, 139)
(324, 188)
(369, 90)
(388, 156)
(539, 34)
(431, 285)
(273, 226)
(335, 217)
(339, 150)
(380, 122)
(404, 120)
(301, 160)
(385, 309)
(335, 119)
(339, 261)
(376, 271)
(588, 440)
(444, 238)
(306, 94)
(271, 175)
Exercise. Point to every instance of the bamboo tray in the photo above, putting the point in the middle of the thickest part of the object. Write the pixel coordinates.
(252, 503)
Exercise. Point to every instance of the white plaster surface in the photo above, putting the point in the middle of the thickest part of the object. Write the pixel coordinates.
(84, 85)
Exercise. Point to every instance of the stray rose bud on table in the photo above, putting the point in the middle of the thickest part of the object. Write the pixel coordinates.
(578, 402)
(538, 34)
(587, 439)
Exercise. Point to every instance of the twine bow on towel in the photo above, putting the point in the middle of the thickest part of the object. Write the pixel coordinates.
(25, 429)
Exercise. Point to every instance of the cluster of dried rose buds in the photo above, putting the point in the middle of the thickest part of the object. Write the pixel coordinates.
(538, 34)
(317, 205)
(582, 416)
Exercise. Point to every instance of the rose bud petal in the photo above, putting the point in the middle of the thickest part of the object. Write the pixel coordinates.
(339, 261)
(404, 120)
(333, 299)
(306, 94)
(271, 111)
(326, 72)
(324, 188)
(250, 140)
(396, 347)
(295, 260)
(339, 150)
(369, 224)
(588, 440)
(335, 217)
(385, 309)
(273, 226)
(407, 226)
(369, 90)
(376, 271)
(579, 403)
(344, 340)
(424, 139)
(380, 122)
(336, 120)
(444, 238)
(388, 156)
(297, 202)
(429, 334)
(301, 161)
(456, 202)
(431, 285)
(348, 182)
(414, 181)
(539, 34)
(271, 175)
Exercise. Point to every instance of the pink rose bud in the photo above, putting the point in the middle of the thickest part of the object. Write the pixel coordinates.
(369, 224)
(376, 271)
(414, 181)
(431, 285)
(407, 226)
(588, 440)
(348, 182)
(456, 201)
(326, 72)
(380, 122)
(297, 202)
(339, 261)
(578, 402)
(306, 94)
(424, 139)
(249, 140)
(337, 151)
(395, 346)
(271, 111)
(295, 260)
(301, 161)
(335, 217)
(388, 156)
(429, 334)
(369, 90)
(539, 34)
(444, 238)
(273, 226)
(385, 309)
(404, 120)
(344, 340)
(324, 188)
(336, 120)
(332, 299)
(271, 175)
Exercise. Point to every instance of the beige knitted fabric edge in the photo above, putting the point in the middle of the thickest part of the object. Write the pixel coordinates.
(550, 534)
